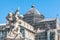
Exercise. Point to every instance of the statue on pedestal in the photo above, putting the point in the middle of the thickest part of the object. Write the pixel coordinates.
(15, 32)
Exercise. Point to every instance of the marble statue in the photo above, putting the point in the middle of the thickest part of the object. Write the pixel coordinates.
(15, 32)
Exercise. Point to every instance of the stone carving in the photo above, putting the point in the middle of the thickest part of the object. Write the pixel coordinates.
(15, 32)
(11, 17)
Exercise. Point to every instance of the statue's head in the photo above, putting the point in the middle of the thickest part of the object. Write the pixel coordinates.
(11, 17)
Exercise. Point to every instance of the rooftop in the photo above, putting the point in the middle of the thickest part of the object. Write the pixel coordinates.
(2, 24)
(49, 19)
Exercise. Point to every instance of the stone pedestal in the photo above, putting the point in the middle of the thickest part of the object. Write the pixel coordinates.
(12, 39)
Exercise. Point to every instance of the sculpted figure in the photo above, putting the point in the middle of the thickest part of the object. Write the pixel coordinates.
(13, 18)
(9, 17)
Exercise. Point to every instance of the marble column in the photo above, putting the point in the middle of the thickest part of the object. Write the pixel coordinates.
(48, 35)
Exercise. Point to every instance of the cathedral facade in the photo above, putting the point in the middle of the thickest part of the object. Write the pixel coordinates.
(32, 26)
(46, 29)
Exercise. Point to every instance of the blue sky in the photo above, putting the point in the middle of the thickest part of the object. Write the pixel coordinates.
(49, 8)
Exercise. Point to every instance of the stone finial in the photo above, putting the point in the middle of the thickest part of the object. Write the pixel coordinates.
(33, 5)
(17, 11)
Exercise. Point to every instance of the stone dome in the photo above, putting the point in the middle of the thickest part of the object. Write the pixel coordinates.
(33, 11)
(33, 16)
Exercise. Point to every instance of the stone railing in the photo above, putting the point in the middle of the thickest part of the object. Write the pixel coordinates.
(26, 25)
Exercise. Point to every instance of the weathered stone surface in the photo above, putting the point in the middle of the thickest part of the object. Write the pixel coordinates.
(14, 33)
(12, 39)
